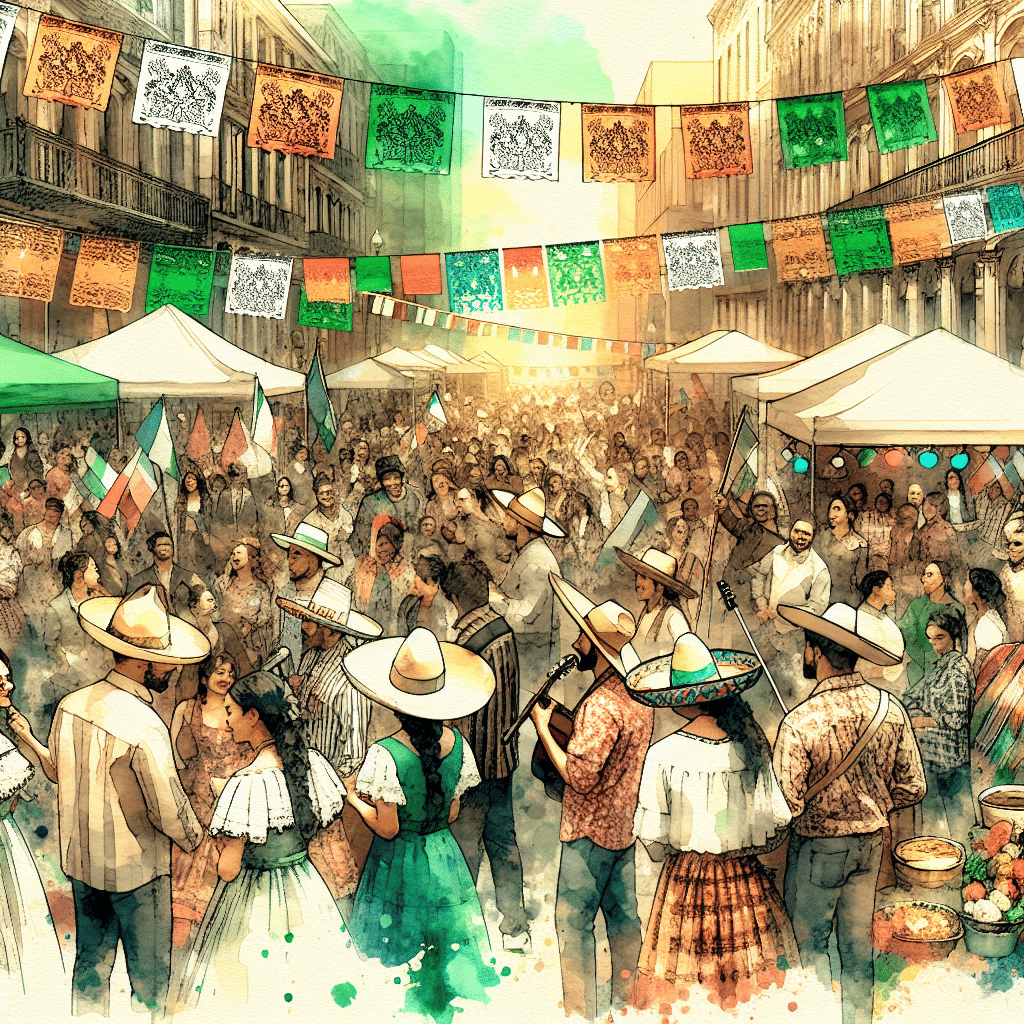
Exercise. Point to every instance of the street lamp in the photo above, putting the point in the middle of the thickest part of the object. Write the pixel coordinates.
(377, 241)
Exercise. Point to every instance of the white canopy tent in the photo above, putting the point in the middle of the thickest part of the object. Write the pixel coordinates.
(168, 353)
(368, 373)
(410, 362)
(454, 363)
(935, 389)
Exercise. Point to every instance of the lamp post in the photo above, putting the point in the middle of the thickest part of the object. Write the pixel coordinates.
(377, 241)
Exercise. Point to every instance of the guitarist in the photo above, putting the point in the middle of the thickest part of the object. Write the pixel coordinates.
(601, 768)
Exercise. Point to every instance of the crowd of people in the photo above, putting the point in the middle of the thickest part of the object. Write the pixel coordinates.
(311, 677)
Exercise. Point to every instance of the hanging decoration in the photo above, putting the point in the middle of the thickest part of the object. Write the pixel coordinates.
(181, 89)
(105, 273)
(72, 63)
(526, 281)
(295, 112)
(520, 139)
(421, 275)
(1006, 205)
(799, 246)
(917, 231)
(901, 115)
(329, 279)
(859, 240)
(576, 273)
(409, 129)
(373, 274)
(618, 143)
(330, 316)
(632, 266)
(977, 98)
(694, 260)
(29, 260)
(258, 286)
(474, 280)
(812, 129)
(748, 249)
(8, 19)
(965, 216)
(180, 277)
(716, 140)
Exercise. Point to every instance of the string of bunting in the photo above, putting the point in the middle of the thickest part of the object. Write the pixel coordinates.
(411, 130)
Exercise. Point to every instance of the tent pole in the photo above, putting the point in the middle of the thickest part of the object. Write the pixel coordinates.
(814, 469)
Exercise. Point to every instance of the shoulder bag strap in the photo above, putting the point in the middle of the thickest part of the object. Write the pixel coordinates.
(858, 748)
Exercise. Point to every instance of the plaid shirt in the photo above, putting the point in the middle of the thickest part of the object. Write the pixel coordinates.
(816, 735)
(944, 693)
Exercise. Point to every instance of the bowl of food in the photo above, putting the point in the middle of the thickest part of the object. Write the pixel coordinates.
(1002, 803)
(928, 861)
(916, 931)
(990, 939)
(993, 913)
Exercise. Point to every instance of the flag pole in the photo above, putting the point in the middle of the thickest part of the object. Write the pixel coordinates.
(714, 529)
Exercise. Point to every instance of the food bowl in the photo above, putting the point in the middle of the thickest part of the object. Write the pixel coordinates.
(929, 861)
(912, 947)
(991, 940)
(1002, 803)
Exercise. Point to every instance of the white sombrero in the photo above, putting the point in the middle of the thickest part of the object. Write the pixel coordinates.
(416, 675)
(140, 626)
(658, 566)
(309, 538)
(331, 605)
(530, 509)
(608, 625)
(840, 624)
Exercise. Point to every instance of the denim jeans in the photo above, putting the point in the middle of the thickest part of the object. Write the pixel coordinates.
(486, 823)
(948, 806)
(830, 882)
(591, 878)
(141, 920)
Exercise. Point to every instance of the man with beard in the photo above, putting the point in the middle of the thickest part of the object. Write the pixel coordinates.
(395, 499)
(165, 572)
(333, 518)
(119, 801)
(756, 534)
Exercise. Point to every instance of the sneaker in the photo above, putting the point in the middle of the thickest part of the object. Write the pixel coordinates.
(517, 943)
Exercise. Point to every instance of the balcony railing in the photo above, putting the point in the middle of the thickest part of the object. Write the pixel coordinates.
(324, 243)
(257, 212)
(43, 170)
(985, 162)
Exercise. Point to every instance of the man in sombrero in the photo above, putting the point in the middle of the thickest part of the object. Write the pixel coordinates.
(335, 716)
(308, 561)
(845, 759)
(525, 599)
(601, 768)
(662, 620)
(119, 801)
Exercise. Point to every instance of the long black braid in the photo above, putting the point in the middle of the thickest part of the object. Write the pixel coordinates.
(736, 720)
(265, 692)
(425, 735)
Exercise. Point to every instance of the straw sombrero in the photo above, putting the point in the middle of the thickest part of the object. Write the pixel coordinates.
(608, 625)
(839, 624)
(416, 675)
(658, 566)
(529, 508)
(692, 674)
(309, 538)
(140, 626)
(331, 605)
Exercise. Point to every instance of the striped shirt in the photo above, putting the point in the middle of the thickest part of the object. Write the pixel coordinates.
(119, 801)
(335, 715)
(486, 633)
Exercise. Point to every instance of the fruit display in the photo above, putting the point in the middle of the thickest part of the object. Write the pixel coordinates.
(994, 875)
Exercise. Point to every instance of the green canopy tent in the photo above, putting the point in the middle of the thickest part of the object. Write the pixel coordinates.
(31, 381)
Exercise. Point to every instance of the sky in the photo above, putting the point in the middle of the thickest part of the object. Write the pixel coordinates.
(563, 50)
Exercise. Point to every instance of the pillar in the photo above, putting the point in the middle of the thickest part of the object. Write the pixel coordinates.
(947, 298)
(888, 304)
(989, 332)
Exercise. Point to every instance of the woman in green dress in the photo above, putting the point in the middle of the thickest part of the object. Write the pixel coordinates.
(416, 894)
(914, 623)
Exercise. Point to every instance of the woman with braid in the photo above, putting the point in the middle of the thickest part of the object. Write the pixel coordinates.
(416, 894)
(272, 916)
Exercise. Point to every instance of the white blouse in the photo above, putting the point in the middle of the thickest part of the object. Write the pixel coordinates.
(255, 798)
(693, 797)
(15, 769)
(378, 778)
(989, 631)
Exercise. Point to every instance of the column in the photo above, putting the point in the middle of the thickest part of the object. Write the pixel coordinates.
(887, 296)
(947, 307)
(912, 278)
(989, 326)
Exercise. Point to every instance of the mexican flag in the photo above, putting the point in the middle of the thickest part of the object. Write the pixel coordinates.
(154, 437)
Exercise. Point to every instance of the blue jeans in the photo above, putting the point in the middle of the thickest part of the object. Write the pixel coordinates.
(830, 882)
(486, 823)
(141, 920)
(591, 878)
(948, 806)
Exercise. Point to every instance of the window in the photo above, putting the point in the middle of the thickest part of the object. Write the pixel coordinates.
(281, 196)
(157, 12)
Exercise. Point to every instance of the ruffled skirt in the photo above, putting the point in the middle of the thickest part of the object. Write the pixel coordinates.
(716, 921)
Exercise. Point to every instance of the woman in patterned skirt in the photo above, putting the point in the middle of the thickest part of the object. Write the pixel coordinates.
(709, 805)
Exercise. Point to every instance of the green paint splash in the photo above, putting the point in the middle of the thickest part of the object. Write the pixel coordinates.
(344, 993)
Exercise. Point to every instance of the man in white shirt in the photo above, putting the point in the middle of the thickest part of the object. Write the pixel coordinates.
(1011, 576)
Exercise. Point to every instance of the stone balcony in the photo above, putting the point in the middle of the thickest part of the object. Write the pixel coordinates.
(81, 189)
(254, 218)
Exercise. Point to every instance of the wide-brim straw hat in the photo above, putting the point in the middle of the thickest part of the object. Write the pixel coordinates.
(692, 674)
(658, 566)
(309, 538)
(140, 626)
(839, 624)
(530, 509)
(609, 626)
(417, 675)
(330, 605)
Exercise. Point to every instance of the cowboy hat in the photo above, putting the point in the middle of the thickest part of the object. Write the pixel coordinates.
(140, 626)
(331, 605)
(609, 626)
(416, 675)
(529, 509)
(692, 674)
(658, 566)
(839, 624)
(309, 538)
